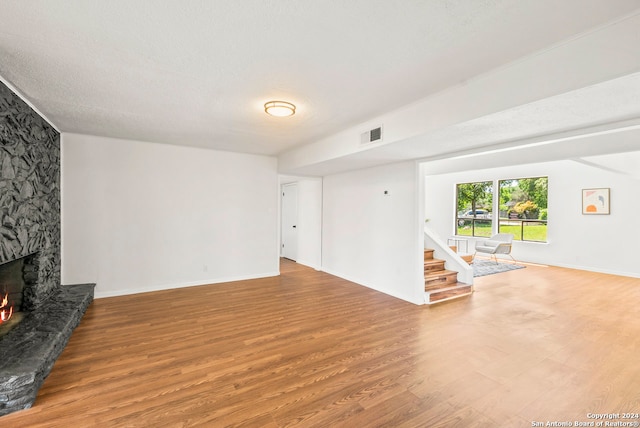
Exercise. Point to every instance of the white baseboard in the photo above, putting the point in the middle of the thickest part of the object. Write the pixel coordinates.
(363, 284)
(595, 269)
(308, 264)
(158, 287)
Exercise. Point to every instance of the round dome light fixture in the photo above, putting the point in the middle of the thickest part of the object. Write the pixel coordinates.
(279, 108)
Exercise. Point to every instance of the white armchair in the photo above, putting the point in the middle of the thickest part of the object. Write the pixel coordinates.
(497, 244)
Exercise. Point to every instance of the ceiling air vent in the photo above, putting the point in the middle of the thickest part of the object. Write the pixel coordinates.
(372, 136)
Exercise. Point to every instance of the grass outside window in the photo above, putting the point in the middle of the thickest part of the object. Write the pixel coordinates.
(530, 232)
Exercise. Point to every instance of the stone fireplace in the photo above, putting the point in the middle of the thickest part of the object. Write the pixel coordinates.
(35, 325)
(30, 244)
(33, 336)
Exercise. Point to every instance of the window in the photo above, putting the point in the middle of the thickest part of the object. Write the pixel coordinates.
(474, 207)
(523, 208)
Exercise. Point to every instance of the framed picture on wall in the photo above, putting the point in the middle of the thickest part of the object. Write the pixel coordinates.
(595, 201)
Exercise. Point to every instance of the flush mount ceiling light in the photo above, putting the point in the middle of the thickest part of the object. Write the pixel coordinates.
(279, 108)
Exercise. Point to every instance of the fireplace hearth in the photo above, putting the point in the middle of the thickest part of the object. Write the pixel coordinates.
(34, 336)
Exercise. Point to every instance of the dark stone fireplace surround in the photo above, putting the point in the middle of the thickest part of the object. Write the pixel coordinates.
(30, 223)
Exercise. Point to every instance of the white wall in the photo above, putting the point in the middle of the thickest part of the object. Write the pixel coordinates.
(371, 238)
(601, 243)
(139, 216)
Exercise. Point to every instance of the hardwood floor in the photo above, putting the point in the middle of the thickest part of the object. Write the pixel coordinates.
(308, 349)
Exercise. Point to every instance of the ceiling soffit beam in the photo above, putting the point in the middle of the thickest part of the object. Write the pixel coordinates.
(594, 57)
(564, 146)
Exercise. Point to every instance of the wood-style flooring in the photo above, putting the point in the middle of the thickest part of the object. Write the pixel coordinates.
(311, 350)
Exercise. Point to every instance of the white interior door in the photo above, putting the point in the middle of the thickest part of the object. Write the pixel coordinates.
(289, 227)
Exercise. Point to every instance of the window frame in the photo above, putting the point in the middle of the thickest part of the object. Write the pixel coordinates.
(494, 218)
(475, 220)
(523, 221)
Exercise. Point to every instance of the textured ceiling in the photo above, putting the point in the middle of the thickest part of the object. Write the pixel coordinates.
(608, 105)
(197, 72)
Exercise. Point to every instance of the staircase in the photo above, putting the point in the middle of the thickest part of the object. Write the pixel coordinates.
(466, 257)
(441, 284)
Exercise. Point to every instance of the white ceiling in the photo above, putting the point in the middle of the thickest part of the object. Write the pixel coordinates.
(613, 104)
(197, 72)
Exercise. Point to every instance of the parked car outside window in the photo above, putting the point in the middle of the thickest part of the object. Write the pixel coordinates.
(479, 214)
(469, 214)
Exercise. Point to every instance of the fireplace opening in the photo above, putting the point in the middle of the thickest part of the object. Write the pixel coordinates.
(12, 286)
(6, 308)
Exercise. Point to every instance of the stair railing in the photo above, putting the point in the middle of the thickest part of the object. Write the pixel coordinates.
(452, 260)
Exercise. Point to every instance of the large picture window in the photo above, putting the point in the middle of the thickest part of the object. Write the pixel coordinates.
(523, 208)
(475, 206)
(520, 208)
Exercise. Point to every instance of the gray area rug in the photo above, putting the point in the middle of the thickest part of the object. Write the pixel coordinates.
(482, 267)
